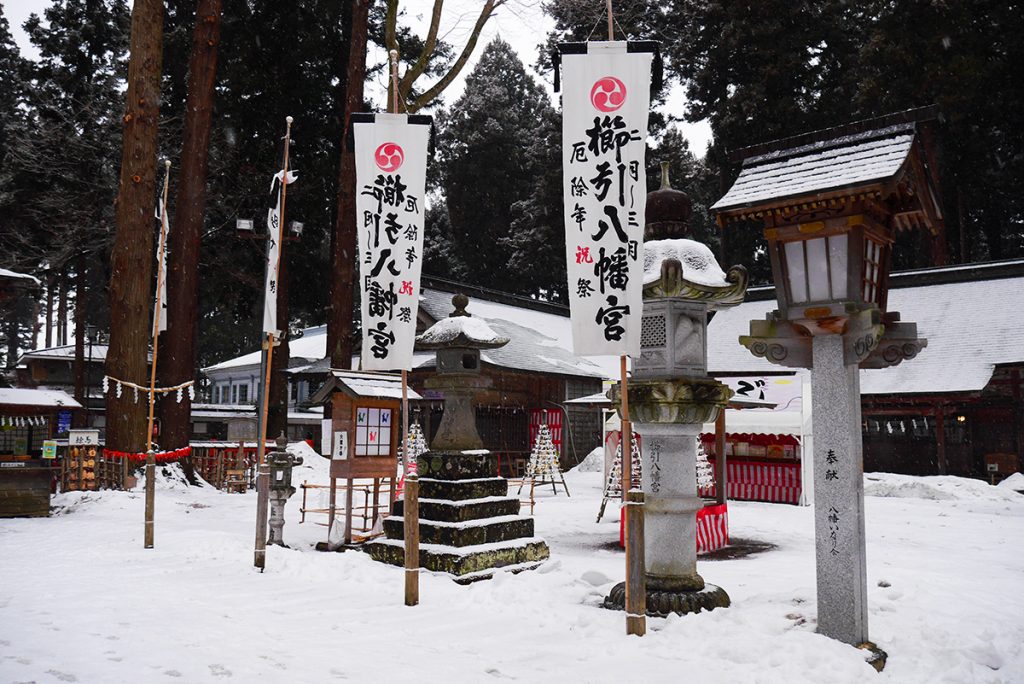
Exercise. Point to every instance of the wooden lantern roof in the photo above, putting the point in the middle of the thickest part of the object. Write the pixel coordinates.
(882, 167)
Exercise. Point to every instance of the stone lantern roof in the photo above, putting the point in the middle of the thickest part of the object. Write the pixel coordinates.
(675, 266)
(460, 330)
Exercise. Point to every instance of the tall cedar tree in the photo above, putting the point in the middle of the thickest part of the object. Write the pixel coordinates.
(491, 148)
(178, 359)
(60, 171)
(131, 306)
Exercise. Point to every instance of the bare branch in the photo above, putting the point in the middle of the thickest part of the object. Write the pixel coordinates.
(405, 84)
(426, 98)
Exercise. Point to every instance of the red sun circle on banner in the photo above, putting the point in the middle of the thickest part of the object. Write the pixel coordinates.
(389, 157)
(608, 94)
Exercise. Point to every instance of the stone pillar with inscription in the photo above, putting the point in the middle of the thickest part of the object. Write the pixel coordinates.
(838, 494)
(671, 397)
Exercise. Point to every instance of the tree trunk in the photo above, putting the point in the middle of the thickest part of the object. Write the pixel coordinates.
(50, 282)
(132, 258)
(343, 239)
(81, 306)
(62, 308)
(178, 351)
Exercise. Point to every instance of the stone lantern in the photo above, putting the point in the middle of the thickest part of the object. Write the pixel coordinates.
(281, 463)
(831, 204)
(671, 397)
(458, 340)
(469, 526)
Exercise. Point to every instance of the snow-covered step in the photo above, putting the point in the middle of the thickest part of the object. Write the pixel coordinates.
(446, 510)
(457, 490)
(466, 533)
(465, 561)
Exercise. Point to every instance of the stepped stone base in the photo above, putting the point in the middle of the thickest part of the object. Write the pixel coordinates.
(663, 603)
(467, 560)
(469, 526)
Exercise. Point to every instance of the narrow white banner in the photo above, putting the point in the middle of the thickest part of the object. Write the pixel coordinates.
(605, 105)
(391, 171)
(160, 310)
(274, 237)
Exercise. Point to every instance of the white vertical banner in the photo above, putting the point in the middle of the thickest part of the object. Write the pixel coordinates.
(274, 237)
(391, 171)
(160, 311)
(605, 103)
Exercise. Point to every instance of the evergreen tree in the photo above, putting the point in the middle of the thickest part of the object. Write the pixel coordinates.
(690, 175)
(494, 146)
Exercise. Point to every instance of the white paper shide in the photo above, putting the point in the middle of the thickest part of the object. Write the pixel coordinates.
(604, 130)
(391, 165)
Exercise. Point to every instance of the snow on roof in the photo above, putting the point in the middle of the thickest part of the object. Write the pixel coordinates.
(699, 263)
(471, 329)
(312, 346)
(14, 275)
(841, 162)
(36, 397)
(373, 384)
(970, 327)
(538, 341)
(65, 352)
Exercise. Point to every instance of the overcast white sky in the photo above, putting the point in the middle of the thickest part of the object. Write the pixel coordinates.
(521, 23)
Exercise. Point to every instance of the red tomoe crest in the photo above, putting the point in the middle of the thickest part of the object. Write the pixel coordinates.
(389, 157)
(608, 94)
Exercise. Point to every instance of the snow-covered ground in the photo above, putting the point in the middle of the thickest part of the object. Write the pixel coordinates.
(81, 600)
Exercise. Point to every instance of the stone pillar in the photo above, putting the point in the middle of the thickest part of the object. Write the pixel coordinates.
(670, 493)
(838, 494)
(278, 498)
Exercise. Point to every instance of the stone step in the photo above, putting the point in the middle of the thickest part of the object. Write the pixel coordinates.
(472, 533)
(442, 510)
(457, 465)
(460, 490)
(471, 562)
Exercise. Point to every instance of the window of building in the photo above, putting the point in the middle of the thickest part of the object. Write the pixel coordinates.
(243, 394)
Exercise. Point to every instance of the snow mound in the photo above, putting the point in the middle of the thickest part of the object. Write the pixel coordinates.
(699, 263)
(448, 329)
(1014, 483)
(935, 487)
(593, 463)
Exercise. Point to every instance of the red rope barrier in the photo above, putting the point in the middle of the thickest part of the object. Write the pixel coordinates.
(160, 456)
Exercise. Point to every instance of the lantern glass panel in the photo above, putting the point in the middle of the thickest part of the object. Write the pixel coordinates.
(837, 258)
(797, 274)
(872, 259)
(817, 270)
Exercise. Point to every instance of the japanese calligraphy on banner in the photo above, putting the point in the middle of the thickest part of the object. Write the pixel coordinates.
(391, 169)
(274, 237)
(604, 132)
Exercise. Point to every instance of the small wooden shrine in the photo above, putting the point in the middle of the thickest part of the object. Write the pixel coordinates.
(365, 432)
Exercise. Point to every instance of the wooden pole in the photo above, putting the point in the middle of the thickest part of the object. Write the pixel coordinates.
(611, 20)
(411, 491)
(721, 475)
(412, 539)
(636, 583)
(263, 469)
(150, 457)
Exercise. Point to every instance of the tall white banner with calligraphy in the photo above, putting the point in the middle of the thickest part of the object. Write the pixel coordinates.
(391, 170)
(605, 102)
(274, 237)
